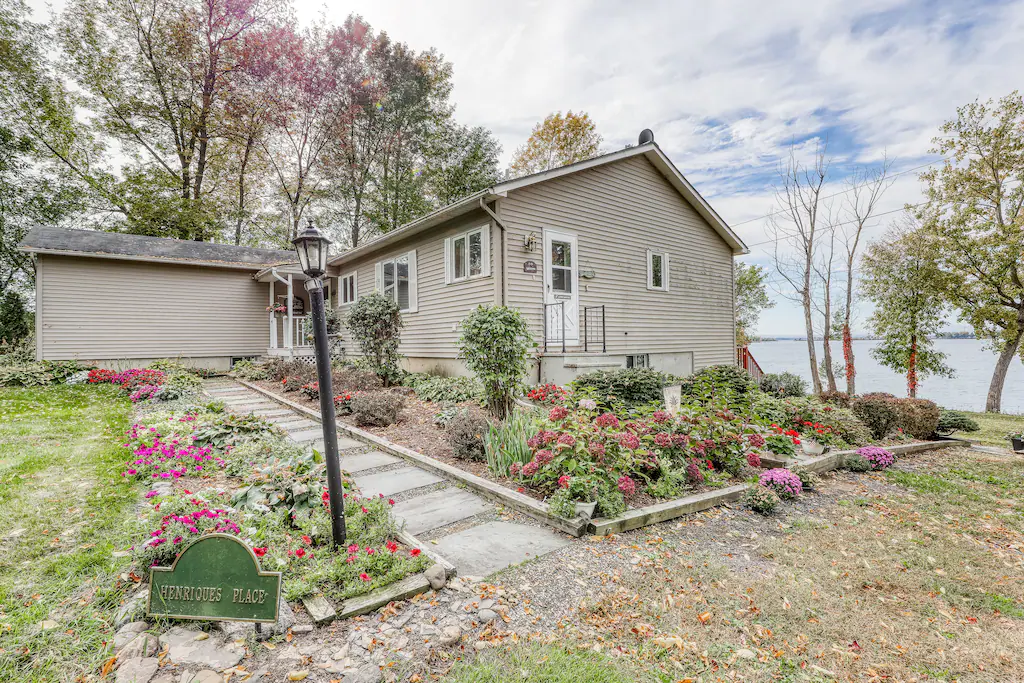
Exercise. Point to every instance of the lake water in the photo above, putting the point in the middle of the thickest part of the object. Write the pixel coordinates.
(967, 391)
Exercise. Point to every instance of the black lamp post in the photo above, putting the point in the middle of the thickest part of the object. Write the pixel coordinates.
(311, 246)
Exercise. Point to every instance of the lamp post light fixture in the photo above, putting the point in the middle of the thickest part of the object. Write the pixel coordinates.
(311, 246)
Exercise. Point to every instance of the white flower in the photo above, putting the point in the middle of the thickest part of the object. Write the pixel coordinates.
(588, 404)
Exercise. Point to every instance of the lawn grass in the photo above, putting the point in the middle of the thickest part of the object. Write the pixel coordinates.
(62, 508)
(543, 664)
(918, 576)
(994, 428)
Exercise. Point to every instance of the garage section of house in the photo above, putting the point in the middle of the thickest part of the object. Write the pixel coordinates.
(117, 299)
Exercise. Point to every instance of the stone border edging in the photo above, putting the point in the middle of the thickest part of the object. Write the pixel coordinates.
(495, 492)
(660, 512)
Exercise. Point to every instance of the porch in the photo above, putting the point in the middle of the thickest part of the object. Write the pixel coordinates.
(288, 309)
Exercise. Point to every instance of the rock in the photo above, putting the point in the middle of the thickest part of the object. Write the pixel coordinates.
(204, 676)
(302, 628)
(367, 674)
(298, 675)
(166, 677)
(486, 616)
(133, 607)
(341, 653)
(138, 670)
(143, 645)
(183, 648)
(746, 654)
(236, 630)
(451, 635)
(486, 604)
(437, 577)
(481, 645)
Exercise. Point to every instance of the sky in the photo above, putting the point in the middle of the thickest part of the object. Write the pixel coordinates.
(727, 87)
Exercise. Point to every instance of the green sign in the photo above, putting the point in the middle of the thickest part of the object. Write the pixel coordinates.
(216, 578)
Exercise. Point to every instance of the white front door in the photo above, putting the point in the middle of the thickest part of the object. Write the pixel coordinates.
(561, 287)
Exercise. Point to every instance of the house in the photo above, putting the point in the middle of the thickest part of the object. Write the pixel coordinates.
(616, 261)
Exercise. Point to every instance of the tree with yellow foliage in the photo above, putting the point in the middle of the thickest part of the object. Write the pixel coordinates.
(557, 141)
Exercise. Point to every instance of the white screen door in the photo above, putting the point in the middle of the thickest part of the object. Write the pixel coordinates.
(561, 286)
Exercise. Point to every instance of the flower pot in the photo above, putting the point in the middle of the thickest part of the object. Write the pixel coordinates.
(812, 447)
(1018, 444)
(586, 510)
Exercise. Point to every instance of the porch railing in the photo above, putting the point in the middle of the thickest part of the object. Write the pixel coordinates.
(594, 328)
(297, 339)
(746, 361)
(558, 329)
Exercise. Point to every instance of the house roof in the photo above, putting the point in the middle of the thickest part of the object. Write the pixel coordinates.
(649, 150)
(50, 240)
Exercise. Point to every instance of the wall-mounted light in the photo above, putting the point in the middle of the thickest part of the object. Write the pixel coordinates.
(530, 242)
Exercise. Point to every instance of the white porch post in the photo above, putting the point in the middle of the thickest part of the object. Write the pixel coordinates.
(291, 320)
(273, 317)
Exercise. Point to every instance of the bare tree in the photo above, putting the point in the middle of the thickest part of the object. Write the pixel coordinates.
(795, 228)
(824, 270)
(864, 191)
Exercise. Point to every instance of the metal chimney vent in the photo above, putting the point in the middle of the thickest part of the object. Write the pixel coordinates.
(646, 135)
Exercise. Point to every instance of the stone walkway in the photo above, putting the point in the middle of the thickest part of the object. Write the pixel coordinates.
(468, 531)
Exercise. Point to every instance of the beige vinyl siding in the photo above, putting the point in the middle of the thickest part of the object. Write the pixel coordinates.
(431, 332)
(105, 309)
(618, 212)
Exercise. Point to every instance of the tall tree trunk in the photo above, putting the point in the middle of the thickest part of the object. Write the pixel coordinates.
(851, 371)
(241, 190)
(994, 402)
(830, 374)
(912, 368)
(811, 351)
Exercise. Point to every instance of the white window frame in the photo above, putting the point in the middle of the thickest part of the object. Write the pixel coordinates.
(485, 254)
(664, 270)
(413, 278)
(341, 289)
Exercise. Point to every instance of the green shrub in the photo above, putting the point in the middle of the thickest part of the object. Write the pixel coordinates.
(443, 417)
(444, 389)
(849, 427)
(350, 378)
(14, 318)
(377, 408)
(293, 383)
(495, 344)
(505, 442)
(179, 385)
(610, 503)
(30, 375)
(766, 410)
(761, 500)
(918, 417)
(633, 387)
(466, 435)
(20, 352)
(783, 384)
(808, 478)
(250, 371)
(672, 483)
(376, 325)
(954, 421)
(878, 412)
(728, 385)
(856, 463)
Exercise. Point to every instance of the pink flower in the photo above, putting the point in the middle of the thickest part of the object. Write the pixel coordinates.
(753, 459)
(558, 413)
(530, 469)
(354, 548)
(756, 441)
(630, 441)
(567, 439)
(597, 450)
(365, 577)
(663, 440)
(660, 416)
(626, 485)
(607, 420)
(563, 481)
(259, 552)
(543, 457)
(514, 469)
(535, 441)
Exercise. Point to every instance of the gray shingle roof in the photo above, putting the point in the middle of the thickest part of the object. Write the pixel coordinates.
(45, 238)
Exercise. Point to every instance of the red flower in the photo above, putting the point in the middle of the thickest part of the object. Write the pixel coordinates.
(363, 508)
(563, 481)
(365, 577)
(301, 552)
(307, 540)
(259, 552)
(414, 552)
(391, 501)
(370, 551)
(391, 546)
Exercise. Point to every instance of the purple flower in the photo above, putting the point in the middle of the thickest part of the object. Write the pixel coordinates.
(879, 457)
(782, 481)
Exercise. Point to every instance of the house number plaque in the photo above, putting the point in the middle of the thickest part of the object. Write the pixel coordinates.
(529, 266)
(218, 578)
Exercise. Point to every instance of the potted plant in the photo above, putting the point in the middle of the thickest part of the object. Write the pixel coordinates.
(816, 438)
(1016, 440)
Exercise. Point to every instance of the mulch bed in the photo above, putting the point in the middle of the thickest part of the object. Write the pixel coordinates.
(416, 430)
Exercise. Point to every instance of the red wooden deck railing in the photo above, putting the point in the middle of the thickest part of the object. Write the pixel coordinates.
(746, 361)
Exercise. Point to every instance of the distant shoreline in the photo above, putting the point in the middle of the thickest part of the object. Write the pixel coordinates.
(762, 340)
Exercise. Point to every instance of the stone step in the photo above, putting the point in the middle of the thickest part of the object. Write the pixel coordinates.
(271, 413)
(487, 548)
(304, 435)
(366, 461)
(395, 481)
(344, 445)
(297, 424)
(439, 508)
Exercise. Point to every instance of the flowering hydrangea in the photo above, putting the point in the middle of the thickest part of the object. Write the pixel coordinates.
(879, 457)
(629, 440)
(663, 440)
(680, 440)
(626, 485)
(558, 413)
(753, 459)
(567, 439)
(514, 469)
(607, 421)
(530, 469)
(782, 481)
(694, 473)
(588, 404)
(660, 416)
(543, 457)
(535, 441)
(756, 441)
(597, 449)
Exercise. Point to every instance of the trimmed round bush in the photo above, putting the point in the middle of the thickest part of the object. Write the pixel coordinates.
(716, 382)
(836, 398)
(635, 386)
(918, 417)
(466, 433)
(761, 500)
(877, 411)
(879, 458)
(377, 408)
(951, 421)
(808, 478)
(783, 481)
(783, 384)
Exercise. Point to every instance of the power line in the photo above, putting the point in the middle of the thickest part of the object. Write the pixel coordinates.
(835, 194)
(833, 227)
